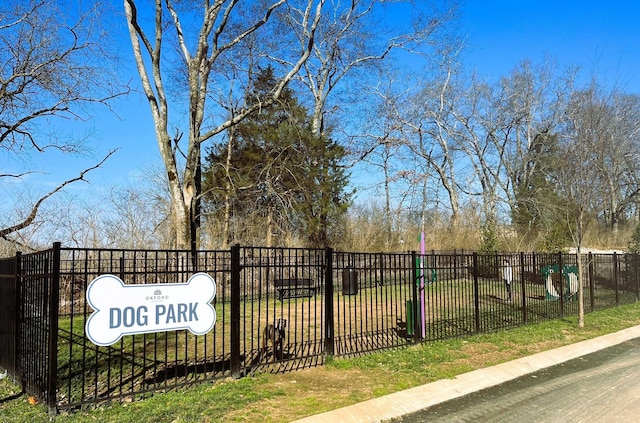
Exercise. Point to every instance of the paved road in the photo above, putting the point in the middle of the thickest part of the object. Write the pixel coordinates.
(600, 387)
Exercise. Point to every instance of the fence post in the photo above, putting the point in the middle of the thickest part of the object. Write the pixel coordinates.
(54, 299)
(592, 303)
(417, 328)
(18, 306)
(562, 287)
(635, 269)
(615, 278)
(523, 289)
(329, 337)
(476, 295)
(122, 264)
(381, 268)
(235, 311)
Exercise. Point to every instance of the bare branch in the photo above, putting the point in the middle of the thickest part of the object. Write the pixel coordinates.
(36, 207)
(225, 26)
(16, 176)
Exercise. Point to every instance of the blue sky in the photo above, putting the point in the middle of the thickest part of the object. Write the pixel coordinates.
(597, 35)
(601, 36)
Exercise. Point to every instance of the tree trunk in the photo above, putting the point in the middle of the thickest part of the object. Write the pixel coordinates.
(218, 18)
(580, 290)
(579, 235)
(227, 197)
(269, 237)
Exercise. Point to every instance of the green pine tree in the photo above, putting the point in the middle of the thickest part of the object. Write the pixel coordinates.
(279, 171)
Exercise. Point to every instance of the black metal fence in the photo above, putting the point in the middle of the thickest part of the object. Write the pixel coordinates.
(9, 301)
(278, 309)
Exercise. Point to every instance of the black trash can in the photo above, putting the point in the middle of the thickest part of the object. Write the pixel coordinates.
(349, 281)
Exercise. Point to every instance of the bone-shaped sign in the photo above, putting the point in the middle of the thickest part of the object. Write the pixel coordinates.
(121, 309)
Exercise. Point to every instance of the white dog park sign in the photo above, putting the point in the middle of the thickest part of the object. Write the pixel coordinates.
(121, 309)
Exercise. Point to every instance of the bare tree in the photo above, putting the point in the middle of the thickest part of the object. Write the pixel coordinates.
(382, 151)
(616, 148)
(33, 210)
(525, 113)
(133, 216)
(354, 38)
(224, 25)
(431, 136)
(353, 43)
(479, 137)
(599, 153)
(581, 171)
(444, 126)
(51, 70)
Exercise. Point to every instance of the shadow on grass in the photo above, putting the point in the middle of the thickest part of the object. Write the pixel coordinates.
(12, 397)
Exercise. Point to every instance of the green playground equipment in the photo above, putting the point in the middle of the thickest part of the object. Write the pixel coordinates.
(423, 271)
(570, 278)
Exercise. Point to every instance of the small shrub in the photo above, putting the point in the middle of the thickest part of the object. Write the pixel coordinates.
(634, 244)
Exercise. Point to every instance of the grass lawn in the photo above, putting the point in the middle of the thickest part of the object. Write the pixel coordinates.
(343, 381)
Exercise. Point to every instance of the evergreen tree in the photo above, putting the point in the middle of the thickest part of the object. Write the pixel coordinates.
(279, 172)
(537, 199)
(323, 197)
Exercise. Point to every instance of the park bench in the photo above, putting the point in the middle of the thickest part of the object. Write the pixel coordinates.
(294, 288)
